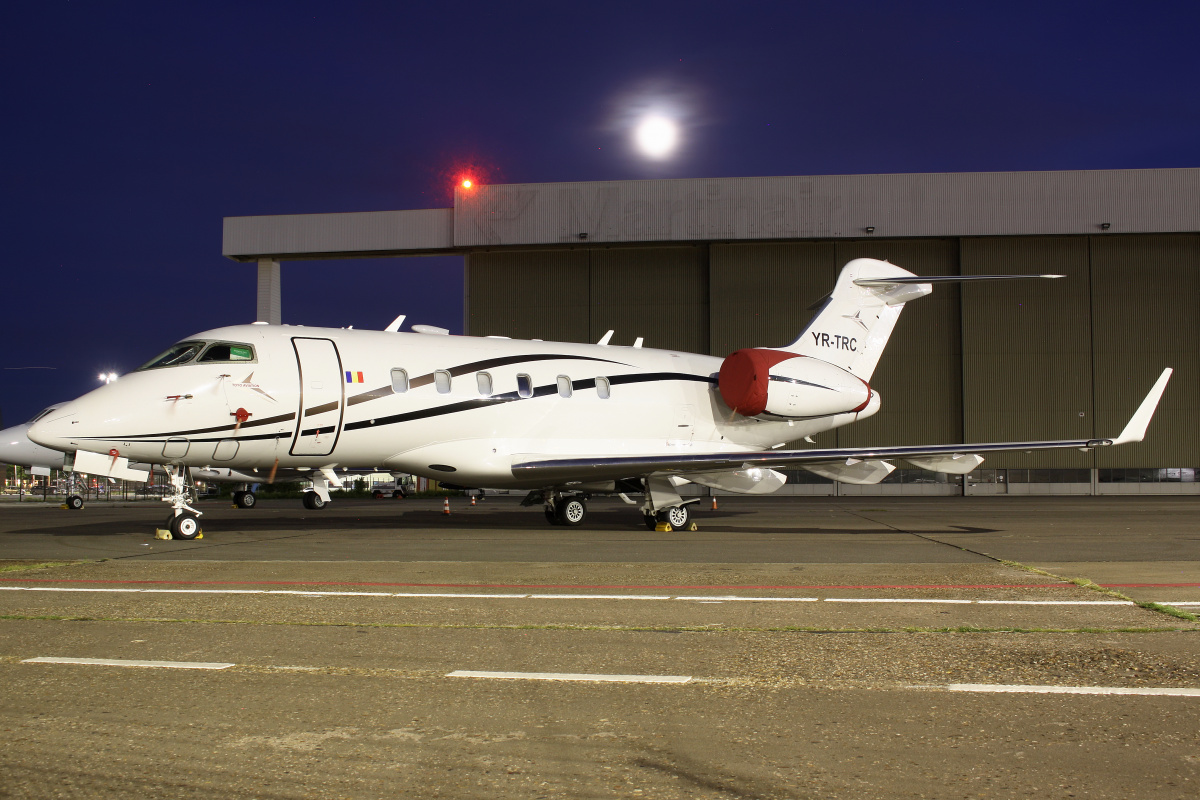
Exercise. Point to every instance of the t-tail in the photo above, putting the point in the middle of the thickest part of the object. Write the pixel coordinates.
(853, 326)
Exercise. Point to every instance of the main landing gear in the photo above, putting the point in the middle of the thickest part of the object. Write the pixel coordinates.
(570, 510)
(244, 499)
(184, 521)
(317, 497)
(676, 516)
(663, 508)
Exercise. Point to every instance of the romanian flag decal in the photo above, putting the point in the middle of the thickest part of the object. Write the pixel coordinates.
(354, 377)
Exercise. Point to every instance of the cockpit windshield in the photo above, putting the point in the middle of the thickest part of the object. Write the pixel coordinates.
(182, 353)
(208, 352)
(41, 414)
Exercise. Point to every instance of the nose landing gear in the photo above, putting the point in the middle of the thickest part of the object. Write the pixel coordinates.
(184, 521)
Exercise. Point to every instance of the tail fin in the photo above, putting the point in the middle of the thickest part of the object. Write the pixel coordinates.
(853, 326)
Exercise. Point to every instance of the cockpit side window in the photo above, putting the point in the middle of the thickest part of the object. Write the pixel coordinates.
(182, 353)
(227, 351)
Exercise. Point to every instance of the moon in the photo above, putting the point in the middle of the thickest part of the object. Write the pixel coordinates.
(656, 136)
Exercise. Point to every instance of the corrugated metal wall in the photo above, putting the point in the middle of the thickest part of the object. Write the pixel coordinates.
(1146, 290)
(1027, 361)
(541, 294)
(658, 293)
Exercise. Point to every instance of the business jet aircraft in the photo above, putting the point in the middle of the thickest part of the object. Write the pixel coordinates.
(562, 420)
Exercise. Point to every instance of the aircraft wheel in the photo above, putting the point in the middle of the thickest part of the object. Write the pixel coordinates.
(313, 501)
(245, 499)
(185, 526)
(571, 511)
(650, 521)
(676, 516)
(74, 502)
(552, 516)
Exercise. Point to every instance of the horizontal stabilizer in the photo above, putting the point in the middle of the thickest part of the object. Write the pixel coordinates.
(918, 279)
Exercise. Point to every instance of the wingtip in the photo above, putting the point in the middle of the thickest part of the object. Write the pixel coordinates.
(1135, 431)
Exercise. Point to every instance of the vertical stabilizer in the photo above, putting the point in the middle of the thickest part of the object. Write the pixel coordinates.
(853, 326)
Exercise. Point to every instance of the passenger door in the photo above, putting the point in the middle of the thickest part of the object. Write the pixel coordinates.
(322, 396)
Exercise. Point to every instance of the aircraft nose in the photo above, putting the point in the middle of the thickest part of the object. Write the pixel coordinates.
(54, 430)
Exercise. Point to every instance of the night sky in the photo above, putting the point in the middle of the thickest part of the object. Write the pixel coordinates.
(130, 129)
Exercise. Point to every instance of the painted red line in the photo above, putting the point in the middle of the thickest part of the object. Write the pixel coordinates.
(558, 585)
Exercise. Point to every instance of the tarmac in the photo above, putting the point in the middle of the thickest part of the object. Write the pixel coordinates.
(790, 647)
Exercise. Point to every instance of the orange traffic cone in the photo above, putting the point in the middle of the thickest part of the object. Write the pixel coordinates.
(714, 508)
(472, 499)
(446, 506)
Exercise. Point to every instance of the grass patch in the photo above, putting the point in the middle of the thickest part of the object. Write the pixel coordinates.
(1085, 583)
(22, 567)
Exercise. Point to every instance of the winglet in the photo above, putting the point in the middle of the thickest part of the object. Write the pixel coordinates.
(1135, 431)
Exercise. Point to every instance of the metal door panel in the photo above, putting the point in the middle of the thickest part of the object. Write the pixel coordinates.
(322, 397)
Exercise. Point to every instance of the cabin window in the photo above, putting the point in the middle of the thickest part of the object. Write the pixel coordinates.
(603, 389)
(227, 351)
(564, 386)
(399, 380)
(524, 385)
(441, 379)
(484, 380)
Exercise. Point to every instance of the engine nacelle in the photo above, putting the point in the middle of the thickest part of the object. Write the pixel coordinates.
(757, 381)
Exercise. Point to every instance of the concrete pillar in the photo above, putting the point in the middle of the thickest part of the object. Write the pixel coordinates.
(269, 292)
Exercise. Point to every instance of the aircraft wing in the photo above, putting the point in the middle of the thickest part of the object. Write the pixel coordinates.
(559, 470)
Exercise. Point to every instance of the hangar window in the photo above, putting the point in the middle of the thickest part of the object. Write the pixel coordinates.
(603, 388)
(399, 380)
(227, 351)
(441, 379)
(182, 353)
(484, 380)
(564, 386)
(524, 385)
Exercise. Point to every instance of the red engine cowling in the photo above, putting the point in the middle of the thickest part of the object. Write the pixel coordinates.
(784, 384)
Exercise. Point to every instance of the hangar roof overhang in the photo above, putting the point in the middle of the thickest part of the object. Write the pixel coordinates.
(739, 209)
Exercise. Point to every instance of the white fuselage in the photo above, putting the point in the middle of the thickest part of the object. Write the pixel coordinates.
(320, 397)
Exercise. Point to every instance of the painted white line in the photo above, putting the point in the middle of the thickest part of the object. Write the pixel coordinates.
(894, 600)
(1172, 603)
(1011, 688)
(713, 598)
(477, 596)
(1055, 602)
(121, 662)
(569, 676)
(599, 597)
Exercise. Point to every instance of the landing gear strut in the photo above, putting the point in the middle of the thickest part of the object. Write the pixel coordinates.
(184, 521)
(317, 497)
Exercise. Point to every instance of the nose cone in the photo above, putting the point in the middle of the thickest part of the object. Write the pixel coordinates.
(16, 448)
(54, 430)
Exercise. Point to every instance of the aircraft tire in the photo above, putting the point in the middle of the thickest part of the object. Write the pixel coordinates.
(74, 502)
(185, 526)
(313, 501)
(571, 511)
(676, 516)
(552, 516)
(245, 500)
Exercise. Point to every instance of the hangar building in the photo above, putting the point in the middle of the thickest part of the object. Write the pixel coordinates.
(713, 265)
